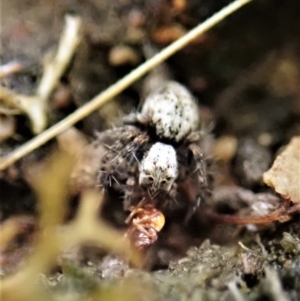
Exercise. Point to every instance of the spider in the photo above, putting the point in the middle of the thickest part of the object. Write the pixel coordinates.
(155, 157)
(158, 149)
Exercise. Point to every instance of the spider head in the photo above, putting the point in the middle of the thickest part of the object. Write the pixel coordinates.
(158, 169)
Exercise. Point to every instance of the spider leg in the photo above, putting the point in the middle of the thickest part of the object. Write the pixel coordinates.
(203, 132)
(121, 157)
(135, 209)
(141, 228)
(192, 209)
(196, 184)
(129, 155)
(132, 148)
(200, 164)
(171, 198)
(128, 195)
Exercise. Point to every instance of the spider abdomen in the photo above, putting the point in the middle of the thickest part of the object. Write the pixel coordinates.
(173, 111)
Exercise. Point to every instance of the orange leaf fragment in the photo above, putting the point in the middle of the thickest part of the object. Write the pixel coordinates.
(284, 175)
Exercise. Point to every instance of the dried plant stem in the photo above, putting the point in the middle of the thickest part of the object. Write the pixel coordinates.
(10, 68)
(35, 106)
(67, 45)
(119, 86)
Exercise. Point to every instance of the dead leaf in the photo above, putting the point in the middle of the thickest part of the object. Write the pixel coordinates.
(284, 175)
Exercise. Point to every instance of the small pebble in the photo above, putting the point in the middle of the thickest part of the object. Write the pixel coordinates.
(225, 148)
(250, 162)
(123, 55)
(166, 35)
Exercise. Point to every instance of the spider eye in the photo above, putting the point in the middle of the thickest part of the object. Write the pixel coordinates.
(166, 180)
(150, 179)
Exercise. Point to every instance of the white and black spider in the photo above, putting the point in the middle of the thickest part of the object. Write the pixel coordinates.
(157, 155)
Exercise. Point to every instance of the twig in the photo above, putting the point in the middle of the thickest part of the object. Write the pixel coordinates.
(119, 86)
(55, 69)
(35, 106)
(10, 99)
(9, 111)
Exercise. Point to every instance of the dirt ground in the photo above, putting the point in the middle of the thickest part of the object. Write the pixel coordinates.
(245, 75)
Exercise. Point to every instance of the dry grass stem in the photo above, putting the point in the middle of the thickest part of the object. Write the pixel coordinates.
(35, 106)
(119, 86)
(10, 68)
(67, 45)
